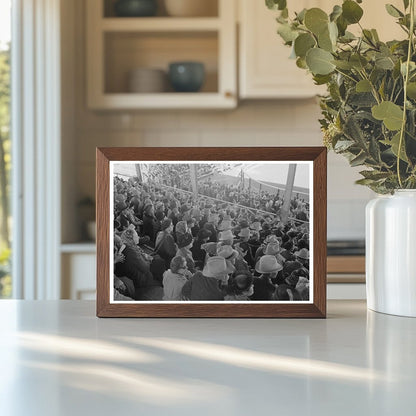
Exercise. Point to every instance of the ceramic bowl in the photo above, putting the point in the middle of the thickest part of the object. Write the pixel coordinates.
(135, 8)
(186, 76)
(147, 80)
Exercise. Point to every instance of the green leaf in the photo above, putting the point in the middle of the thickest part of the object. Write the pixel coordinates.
(336, 12)
(411, 90)
(388, 112)
(321, 79)
(287, 33)
(384, 62)
(325, 42)
(303, 43)
(319, 61)
(344, 65)
(301, 63)
(363, 86)
(393, 11)
(343, 145)
(374, 174)
(276, 4)
(394, 143)
(351, 11)
(301, 15)
(358, 61)
(316, 20)
(358, 160)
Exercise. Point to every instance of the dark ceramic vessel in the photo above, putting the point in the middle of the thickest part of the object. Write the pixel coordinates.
(186, 76)
(135, 8)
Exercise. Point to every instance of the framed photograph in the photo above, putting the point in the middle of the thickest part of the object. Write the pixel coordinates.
(211, 232)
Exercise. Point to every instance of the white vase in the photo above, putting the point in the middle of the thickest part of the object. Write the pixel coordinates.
(391, 253)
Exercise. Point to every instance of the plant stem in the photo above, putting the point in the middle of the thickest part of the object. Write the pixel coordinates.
(406, 79)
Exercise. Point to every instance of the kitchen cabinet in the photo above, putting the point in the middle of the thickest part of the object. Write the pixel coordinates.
(265, 70)
(118, 45)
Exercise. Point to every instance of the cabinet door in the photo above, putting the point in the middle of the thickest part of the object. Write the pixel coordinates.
(265, 68)
(266, 71)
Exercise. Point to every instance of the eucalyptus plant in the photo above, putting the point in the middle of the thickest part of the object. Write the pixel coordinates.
(369, 111)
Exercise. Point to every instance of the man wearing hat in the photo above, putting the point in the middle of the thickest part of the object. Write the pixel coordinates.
(226, 237)
(302, 256)
(184, 243)
(268, 267)
(165, 245)
(209, 284)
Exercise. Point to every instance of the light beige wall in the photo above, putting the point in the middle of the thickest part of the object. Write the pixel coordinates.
(254, 123)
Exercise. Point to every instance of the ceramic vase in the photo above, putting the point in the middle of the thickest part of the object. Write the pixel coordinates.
(391, 253)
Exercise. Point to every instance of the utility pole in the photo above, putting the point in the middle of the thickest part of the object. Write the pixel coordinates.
(288, 193)
(192, 172)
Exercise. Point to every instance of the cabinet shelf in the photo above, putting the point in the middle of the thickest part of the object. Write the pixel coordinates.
(160, 24)
(198, 100)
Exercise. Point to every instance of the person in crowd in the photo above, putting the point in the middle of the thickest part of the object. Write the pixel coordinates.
(149, 222)
(175, 278)
(226, 238)
(198, 253)
(185, 243)
(268, 267)
(210, 284)
(287, 293)
(165, 245)
(244, 258)
(302, 256)
(240, 287)
(181, 229)
(262, 248)
(136, 264)
(229, 254)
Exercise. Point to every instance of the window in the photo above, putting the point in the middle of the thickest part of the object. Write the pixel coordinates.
(5, 147)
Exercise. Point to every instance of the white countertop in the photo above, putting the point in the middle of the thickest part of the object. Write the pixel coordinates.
(57, 358)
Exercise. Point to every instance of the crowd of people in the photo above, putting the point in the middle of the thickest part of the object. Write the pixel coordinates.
(171, 245)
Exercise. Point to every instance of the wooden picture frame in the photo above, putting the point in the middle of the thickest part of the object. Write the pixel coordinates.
(315, 157)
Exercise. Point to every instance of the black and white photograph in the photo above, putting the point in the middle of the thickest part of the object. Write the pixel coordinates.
(211, 232)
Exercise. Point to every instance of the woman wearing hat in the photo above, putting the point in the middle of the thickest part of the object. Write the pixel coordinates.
(268, 267)
(185, 242)
(136, 264)
(210, 284)
(165, 245)
(175, 278)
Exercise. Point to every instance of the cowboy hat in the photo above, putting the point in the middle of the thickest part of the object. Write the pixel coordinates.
(268, 264)
(303, 254)
(226, 235)
(272, 249)
(245, 232)
(210, 248)
(217, 267)
(227, 252)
